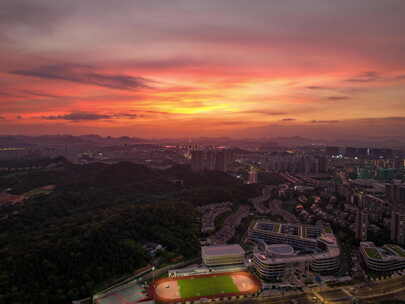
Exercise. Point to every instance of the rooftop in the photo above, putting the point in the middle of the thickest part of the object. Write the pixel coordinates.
(386, 253)
(280, 249)
(219, 250)
(399, 251)
(293, 230)
(332, 252)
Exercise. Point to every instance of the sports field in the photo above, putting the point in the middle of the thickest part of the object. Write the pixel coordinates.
(207, 286)
(171, 290)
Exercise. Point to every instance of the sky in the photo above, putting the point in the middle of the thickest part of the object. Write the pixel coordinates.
(185, 68)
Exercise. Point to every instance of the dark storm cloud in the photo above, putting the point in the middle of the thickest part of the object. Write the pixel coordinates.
(86, 116)
(337, 98)
(86, 75)
(288, 119)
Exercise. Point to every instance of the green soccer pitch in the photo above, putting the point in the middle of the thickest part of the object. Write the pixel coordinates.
(206, 286)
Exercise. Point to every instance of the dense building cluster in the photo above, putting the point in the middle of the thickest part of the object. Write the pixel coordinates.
(292, 163)
(283, 246)
(206, 160)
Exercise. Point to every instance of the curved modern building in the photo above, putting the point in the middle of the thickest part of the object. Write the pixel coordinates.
(296, 235)
(282, 247)
(269, 260)
(383, 259)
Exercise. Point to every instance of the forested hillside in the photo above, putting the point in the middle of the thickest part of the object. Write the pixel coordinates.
(93, 225)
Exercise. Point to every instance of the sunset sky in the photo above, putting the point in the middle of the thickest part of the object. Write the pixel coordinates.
(174, 68)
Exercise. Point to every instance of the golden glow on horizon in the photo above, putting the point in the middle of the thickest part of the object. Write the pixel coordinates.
(212, 75)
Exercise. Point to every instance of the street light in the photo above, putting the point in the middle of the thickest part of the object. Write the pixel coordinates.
(153, 274)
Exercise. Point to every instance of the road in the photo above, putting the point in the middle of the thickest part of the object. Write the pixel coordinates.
(364, 292)
(230, 224)
(303, 298)
(384, 287)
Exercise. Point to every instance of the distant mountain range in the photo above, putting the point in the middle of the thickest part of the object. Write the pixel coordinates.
(67, 139)
(388, 142)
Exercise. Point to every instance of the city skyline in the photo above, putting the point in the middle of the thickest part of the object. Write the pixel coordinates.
(203, 68)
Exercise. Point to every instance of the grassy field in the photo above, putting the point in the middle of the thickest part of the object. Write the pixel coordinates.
(208, 286)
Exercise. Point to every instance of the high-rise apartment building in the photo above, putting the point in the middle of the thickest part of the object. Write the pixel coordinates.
(398, 226)
(332, 151)
(301, 164)
(208, 160)
(361, 225)
(252, 176)
(197, 161)
(323, 164)
(395, 193)
(222, 160)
